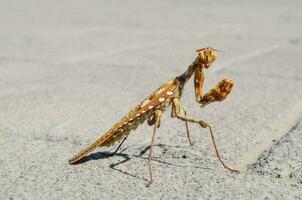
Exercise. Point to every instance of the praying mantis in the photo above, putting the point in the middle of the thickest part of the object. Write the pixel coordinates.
(169, 94)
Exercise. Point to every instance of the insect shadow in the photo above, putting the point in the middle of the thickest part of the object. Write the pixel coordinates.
(107, 154)
(127, 157)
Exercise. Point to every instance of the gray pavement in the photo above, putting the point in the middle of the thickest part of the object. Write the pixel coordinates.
(70, 70)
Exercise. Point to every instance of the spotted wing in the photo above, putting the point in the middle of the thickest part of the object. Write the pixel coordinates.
(133, 119)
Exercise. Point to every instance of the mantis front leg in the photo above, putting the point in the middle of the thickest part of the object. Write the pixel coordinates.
(203, 124)
(218, 93)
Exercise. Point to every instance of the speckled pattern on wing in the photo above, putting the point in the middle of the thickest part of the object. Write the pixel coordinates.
(161, 98)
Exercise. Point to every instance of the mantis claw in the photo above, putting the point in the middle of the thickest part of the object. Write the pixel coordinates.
(224, 88)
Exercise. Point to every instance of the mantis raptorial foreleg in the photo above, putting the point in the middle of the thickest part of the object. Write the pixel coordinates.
(157, 115)
(217, 93)
(203, 124)
(151, 108)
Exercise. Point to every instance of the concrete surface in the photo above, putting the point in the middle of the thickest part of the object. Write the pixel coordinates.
(69, 70)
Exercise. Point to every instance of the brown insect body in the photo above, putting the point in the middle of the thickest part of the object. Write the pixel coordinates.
(169, 93)
(159, 99)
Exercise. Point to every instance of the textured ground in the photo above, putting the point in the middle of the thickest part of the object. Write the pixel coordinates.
(69, 70)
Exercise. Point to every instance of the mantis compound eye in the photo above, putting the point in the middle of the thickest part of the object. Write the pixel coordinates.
(206, 56)
(201, 55)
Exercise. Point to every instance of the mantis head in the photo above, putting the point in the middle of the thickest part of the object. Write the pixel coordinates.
(206, 56)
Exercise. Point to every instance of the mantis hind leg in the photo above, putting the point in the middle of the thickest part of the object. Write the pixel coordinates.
(152, 119)
(119, 146)
(157, 116)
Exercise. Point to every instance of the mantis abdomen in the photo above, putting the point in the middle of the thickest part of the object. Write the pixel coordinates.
(160, 99)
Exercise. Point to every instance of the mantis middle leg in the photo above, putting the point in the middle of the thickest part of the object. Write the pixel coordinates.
(203, 124)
